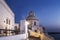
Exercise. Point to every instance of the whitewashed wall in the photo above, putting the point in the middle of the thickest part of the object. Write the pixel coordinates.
(22, 26)
(5, 12)
(15, 37)
(34, 27)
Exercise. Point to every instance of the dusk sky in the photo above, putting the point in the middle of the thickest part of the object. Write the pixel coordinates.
(47, 11)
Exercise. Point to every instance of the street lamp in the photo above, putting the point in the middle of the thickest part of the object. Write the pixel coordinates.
(26, 28)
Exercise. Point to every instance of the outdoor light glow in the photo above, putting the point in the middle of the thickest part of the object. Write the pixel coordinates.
(26, 28)
(26, 23)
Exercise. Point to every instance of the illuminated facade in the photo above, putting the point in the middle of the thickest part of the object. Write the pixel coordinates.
(6, 18)
(36, 31)
(7, 24)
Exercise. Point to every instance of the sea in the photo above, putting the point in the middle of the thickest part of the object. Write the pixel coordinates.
(56, 36)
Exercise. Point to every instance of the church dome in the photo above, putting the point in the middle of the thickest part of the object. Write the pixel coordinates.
(31, 16)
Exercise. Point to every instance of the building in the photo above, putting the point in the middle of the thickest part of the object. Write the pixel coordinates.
(7, 18)
(17, 28)
(8, 26)
(22, 26)
(35, 30)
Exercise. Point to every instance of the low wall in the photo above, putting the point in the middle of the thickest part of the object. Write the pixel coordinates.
(15, 37)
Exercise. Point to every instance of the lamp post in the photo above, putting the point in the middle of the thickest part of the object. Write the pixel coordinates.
(26, 29)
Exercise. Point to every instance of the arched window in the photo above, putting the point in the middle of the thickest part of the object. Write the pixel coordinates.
(15, 27)
(35, 23)
(35, 30)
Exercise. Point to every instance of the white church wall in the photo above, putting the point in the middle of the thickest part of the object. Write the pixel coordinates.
(22, 26)
(34, 27)
(32, 21)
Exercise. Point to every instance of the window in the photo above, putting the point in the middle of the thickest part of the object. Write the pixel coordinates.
(34, 23)
(35, 30)
(15, 27)
(30, 28)
(6, 21)
(5, 27)
(0, 31)
(9, 22)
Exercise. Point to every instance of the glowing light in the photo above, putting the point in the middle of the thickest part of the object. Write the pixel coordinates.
(26, 23)
(26, 28)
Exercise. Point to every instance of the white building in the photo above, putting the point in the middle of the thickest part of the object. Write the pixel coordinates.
(35, 30)
(6, 16)
(22, 26)
(17, 25)
(17, 28)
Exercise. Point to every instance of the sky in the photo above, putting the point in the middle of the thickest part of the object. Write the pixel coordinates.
(47, 11)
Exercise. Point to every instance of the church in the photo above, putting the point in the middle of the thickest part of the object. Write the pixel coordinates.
(35, 30)
(9, 27)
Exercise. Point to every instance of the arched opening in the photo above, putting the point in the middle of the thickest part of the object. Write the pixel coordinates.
(35, 23)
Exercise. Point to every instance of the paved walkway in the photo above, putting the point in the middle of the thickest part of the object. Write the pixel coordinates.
(15, 37)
